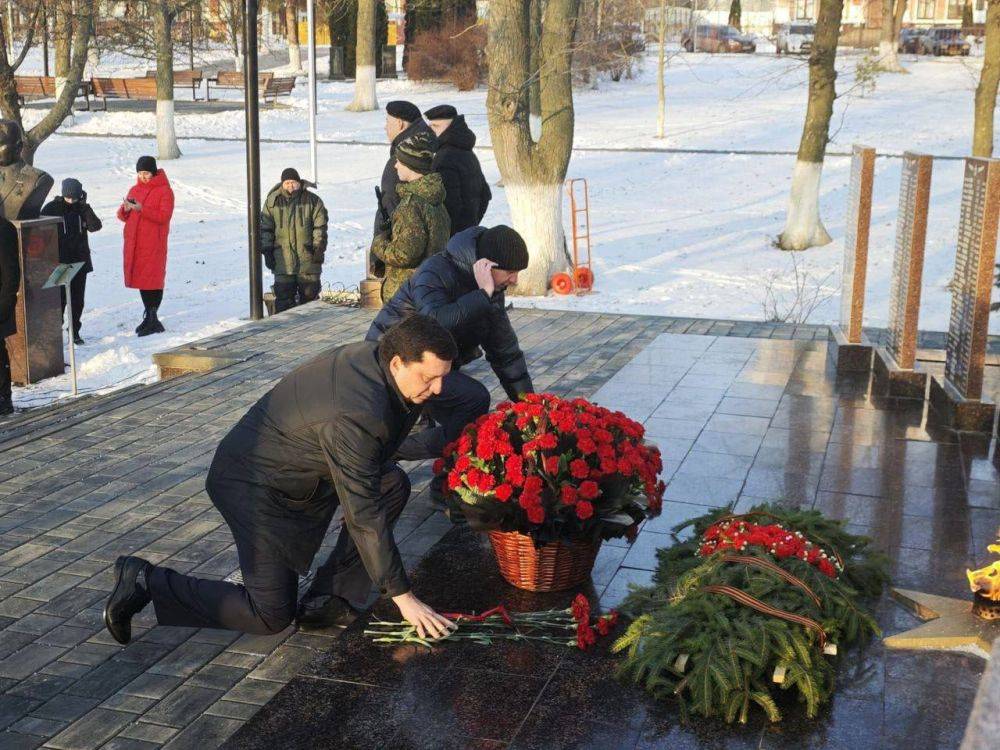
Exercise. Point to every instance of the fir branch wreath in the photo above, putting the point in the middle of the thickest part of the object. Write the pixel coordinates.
(748, 605)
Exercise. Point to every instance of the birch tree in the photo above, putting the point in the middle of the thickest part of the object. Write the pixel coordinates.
(533, 170)
(803, 226)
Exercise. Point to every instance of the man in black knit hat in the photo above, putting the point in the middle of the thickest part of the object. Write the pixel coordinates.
(467, 194)
(462, 288)
(402, 120)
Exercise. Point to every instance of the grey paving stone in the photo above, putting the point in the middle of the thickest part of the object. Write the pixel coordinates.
(90, 654)
(19, 741)
(91, 730)
(35, 623)
(180, 706)
(186, 659)
(29, 660)
(37, 725)
(41, 686)
(126, 743)
(232, 710)
(18, 607)
(150, 685)
(217, 676)
(283, 664)
(206, 731)
(105, 680)
(66, 669)
(65, 636)
(13, 707)
(154, 733)
(257, 692)
(64, 708)
(133, 704)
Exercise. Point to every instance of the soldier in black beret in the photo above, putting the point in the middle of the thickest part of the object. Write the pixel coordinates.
(467, 194)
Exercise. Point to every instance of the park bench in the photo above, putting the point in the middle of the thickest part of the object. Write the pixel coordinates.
(142, 89)
(270, 87)
(44, 87)
(192, 78)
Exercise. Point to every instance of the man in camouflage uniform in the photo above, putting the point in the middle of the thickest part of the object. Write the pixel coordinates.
(419, 227)
(293, 240)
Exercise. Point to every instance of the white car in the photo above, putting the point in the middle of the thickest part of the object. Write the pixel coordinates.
(795, 38)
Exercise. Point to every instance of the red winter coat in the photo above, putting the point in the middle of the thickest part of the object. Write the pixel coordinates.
(145, 252)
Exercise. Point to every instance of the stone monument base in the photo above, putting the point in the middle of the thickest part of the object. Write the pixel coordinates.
(892, 381)
(847, 357)
(371, 294)
(963, 414)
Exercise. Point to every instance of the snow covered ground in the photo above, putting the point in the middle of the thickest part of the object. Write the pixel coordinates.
(673, 233)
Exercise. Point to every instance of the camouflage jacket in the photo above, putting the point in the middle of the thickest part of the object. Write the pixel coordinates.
(420, 228)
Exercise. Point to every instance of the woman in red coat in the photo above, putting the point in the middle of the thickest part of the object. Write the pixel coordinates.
(146, 212)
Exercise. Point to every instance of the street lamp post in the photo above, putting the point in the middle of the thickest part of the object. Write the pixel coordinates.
(253, 158)
(311, 23)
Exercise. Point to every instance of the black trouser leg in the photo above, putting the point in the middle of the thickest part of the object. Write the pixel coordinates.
(285, 287)
(264, 604)
(5, 390)
(78, 289)
(343, 573)
(308, 288)
(462, 400)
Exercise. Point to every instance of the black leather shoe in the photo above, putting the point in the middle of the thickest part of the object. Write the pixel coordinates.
(127, 598)
(78, 340)
(326, 611)
(6, 405)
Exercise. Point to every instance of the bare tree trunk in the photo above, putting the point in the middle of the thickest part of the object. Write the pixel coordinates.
(535, 89)
(803, 227)
(661, 71)
(892, 16)
(292, 35)
(533, 171)
(166, 135)
(82, 30)
(986, 91)
(63, 38)
(364, 68)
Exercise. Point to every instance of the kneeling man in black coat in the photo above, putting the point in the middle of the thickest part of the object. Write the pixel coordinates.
(324, 436)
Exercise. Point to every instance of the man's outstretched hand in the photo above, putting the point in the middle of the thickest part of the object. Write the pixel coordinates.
(484, 279)
(429, 624)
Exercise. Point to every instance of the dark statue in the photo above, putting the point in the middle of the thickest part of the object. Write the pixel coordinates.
(22, 187)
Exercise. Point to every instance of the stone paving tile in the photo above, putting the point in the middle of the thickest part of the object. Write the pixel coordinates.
(91, 730)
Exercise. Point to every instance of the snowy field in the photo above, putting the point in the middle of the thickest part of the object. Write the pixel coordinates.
(673, 233)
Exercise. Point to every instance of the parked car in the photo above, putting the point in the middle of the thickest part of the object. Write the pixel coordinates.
(909, 41)
(716, 38)
(795, 38)
(943, 42)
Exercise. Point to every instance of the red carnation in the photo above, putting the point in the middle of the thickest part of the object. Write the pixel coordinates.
(547, 441)
(454, 480)
(551, 464)
(536, 514)
(580, 608)
(504, 492)
(589, 490)
(578, 468)
(463, 463)
(584, 510)
(585, 636)
(568, 494)
(438, 466)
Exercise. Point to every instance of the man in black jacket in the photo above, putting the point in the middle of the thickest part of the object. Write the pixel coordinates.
(10, 283)
(324, 436)
(78, 220)
(402, 119)
(467, 192)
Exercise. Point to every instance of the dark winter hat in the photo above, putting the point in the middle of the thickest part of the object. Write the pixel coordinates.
(290, 173)
(403, 109)
(504, 246)
(72, 189)
(417, 151)
(146, 164)
(441, 112)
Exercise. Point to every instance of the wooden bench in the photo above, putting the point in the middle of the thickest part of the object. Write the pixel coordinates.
(192, 78)
(44, 87)
(269, 86)
(142, 89)
(277, 87)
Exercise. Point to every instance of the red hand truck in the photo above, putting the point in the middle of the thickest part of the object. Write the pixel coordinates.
(581, 280)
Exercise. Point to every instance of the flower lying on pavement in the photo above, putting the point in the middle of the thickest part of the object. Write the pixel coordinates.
(549, 626)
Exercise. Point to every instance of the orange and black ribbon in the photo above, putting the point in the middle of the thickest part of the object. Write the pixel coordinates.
(749, 601)
(777, 570)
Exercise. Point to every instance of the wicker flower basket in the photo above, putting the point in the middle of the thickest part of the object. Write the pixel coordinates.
(555, 567)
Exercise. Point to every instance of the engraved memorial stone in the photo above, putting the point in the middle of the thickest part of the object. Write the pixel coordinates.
(957, 397)
(894, 363)
(850, 352)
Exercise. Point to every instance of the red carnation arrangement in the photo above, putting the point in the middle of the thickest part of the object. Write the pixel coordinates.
(553, 468)
(736, 534)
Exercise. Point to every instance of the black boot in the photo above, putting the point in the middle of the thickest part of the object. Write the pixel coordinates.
(323, 612)
(128, 597)
(153, 324)
(6, 404)
(139, 329)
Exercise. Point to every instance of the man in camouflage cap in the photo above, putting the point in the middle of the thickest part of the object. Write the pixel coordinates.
(419, 226)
